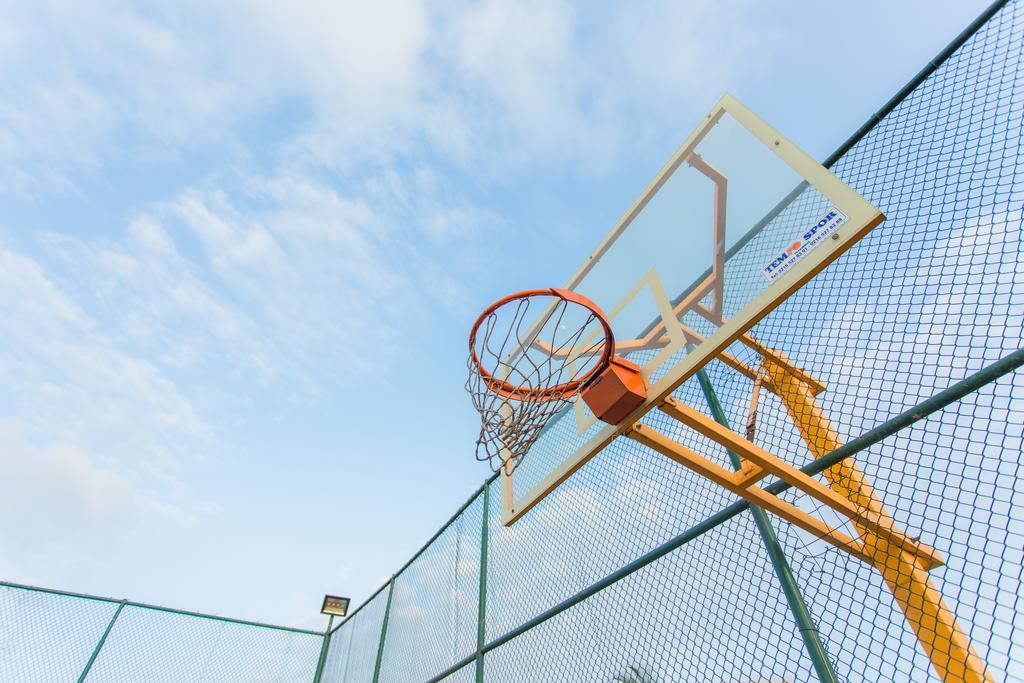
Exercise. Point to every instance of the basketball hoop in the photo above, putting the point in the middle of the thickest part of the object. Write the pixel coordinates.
(530, 354)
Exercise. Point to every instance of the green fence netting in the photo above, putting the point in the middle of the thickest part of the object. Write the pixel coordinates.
(929, 299)
(48, 636)
(353, 652)
(638, 570)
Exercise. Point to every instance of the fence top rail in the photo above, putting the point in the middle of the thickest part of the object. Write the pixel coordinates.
(158, 608)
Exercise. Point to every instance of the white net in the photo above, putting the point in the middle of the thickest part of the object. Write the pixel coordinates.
(529, 358)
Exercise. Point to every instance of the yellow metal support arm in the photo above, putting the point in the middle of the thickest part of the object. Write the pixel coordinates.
(881, 526)
(946, 644)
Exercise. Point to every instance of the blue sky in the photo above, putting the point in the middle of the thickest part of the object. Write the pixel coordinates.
(241, 246)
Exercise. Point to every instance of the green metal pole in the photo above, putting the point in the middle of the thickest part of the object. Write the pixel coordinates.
(808, 630)
(323, 650)
(103, 639)
(383, 632)
(481, 613)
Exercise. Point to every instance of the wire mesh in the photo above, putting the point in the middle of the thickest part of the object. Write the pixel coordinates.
(339, 651)
(48, 637)
(53, 636)
(709, 611)
(150, 645)
(355, 644)
(433, 619)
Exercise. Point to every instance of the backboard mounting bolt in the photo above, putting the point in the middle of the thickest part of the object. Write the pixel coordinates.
(776, 143)
(835, 236)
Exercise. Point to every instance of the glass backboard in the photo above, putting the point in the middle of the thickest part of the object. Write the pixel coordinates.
(735, 222)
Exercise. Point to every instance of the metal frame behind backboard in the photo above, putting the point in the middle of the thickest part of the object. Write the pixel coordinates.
(861, 217)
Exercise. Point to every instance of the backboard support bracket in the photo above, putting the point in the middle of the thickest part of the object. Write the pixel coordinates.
(769, 464)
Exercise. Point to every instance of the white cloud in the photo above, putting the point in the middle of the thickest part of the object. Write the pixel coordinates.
(685, 49)
(91, 85)
(64, 366)
(154, 301)
(483, 83)
(548, 82)
(365, 57)
(93, 437)
(315, 271)
(70, 492)
(282, 279)
(519, 55)
(97, 439)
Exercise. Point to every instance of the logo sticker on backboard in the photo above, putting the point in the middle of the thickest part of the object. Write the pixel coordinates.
(789, 256)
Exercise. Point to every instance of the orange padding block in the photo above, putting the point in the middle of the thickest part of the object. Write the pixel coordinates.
(616, 392)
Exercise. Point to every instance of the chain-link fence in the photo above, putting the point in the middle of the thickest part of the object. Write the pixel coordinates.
(49, 636)
(637, 569)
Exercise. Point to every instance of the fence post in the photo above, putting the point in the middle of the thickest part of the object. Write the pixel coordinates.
(102, 640)
(481, 614)
(383, 632)
(808, 630)
(323, 650)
